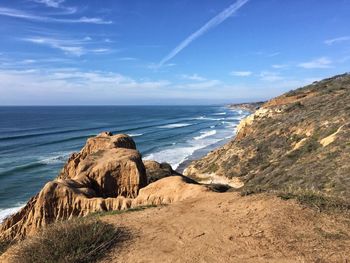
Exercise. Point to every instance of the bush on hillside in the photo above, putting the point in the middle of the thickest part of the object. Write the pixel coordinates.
(77, 240)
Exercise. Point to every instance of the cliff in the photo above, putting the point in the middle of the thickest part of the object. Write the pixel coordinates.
(249, 106)
(297, 142)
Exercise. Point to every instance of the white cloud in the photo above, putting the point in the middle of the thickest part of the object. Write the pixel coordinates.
(53, 86)
(215, 21)
(336, 40)
(58, 4)
(241, 73)
(47, 83)
(319, 63)
(194, 77)
(28, 16)
(270, 76)
(69, 46)
(50, 3)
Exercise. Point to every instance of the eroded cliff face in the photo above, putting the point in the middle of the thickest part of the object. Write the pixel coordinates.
(298, 141)
(107, 174)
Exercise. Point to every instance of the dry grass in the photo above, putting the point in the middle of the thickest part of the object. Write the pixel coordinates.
(118, 212)
(4, 245)
(77, 240)
(318, 201)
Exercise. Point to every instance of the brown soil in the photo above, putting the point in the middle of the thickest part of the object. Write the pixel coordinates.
(226, 227)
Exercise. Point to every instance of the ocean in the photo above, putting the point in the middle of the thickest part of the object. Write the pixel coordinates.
(35, 142)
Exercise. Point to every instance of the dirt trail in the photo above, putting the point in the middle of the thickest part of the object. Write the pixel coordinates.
(230, 228)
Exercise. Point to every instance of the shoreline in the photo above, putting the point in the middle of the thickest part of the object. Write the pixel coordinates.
(250, 107)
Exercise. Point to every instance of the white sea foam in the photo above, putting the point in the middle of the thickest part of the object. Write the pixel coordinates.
(205, 134)
(178, 154)
(174, 125)
(135, 134)
(220, 113)
(55, 158)
(8, 211)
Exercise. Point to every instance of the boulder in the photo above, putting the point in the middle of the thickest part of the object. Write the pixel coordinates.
(156, 171)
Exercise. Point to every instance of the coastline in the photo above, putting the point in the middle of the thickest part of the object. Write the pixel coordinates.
(250, 107)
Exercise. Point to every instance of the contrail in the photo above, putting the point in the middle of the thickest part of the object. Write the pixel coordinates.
(215, 21)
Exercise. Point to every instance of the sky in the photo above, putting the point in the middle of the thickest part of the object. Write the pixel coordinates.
(167, 52)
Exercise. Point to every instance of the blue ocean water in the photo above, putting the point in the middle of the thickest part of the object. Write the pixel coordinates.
(36, 141)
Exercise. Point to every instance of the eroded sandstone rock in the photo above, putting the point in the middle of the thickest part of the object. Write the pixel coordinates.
(103, 176)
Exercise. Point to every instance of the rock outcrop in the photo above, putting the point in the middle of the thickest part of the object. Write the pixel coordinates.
(107, 174)
(156, 171)
(299, 141)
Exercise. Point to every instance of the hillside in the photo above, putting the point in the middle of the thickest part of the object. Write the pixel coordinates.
(296, 143)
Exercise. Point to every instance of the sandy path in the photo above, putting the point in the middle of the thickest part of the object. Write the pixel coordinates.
(229, 228)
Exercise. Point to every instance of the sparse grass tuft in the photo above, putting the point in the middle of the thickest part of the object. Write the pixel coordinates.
(339, 235)
(77, 240)
(118, 212)
(317, 201)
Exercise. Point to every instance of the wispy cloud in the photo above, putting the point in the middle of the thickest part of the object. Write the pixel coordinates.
(319, 63)
(28, 16)
(57, 4)
(69, 46)
(270, 76)
(215, 21)
(336, 40)
(241, 73)
(194, 77)
(50, 3)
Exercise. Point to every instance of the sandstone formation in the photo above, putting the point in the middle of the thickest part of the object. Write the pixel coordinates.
(296, 142)
(168, 190)
(107, 174)
(156, 171)
(103, 176)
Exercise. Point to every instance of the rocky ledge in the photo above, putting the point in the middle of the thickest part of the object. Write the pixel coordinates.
(107, 174)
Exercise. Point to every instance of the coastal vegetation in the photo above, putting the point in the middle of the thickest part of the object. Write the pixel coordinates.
(78, 240)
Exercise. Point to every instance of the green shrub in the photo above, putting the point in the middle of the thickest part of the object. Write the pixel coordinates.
(77, 240)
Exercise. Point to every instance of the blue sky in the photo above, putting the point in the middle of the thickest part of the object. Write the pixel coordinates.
(64, 52)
